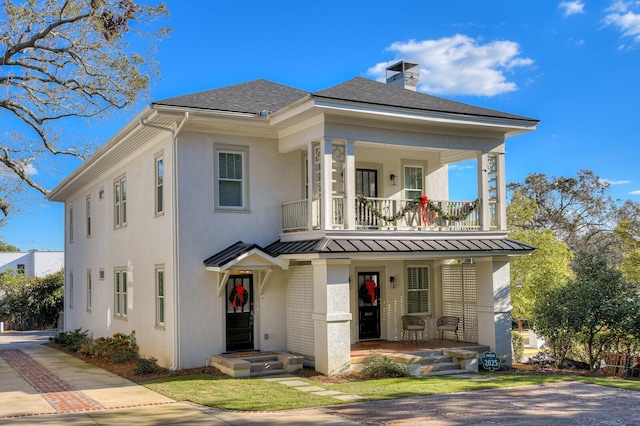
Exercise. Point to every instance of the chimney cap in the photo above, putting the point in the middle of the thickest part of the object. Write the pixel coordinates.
(404, 74)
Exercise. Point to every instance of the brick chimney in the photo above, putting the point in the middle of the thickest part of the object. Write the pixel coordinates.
(404, 74)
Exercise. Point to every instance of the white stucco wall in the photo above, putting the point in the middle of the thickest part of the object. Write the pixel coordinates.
(139, 247)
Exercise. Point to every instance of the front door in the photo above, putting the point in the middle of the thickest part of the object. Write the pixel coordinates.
(369, 305)
(240, 313)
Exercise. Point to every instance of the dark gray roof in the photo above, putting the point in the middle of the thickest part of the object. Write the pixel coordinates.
(372, 92)
(395, 245)
(256, 96)
(230, 253)
(252, 97)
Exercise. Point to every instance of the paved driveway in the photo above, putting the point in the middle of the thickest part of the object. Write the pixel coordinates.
(42, 386)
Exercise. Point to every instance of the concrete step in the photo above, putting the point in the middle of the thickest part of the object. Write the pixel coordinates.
(426, 370)
(269, 372)
(447, 372)
(266, 364)
(426, 360)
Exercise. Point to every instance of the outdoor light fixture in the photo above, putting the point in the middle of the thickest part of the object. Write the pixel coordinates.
(394, 180)
(392, 281)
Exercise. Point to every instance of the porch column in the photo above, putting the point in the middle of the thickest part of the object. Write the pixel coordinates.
(501, 191)
(350, 187)
(494, 305)
(331, 317)
(483, 190)
(326, 186)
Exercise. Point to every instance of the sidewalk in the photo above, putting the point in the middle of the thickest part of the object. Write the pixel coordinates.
(40, 385)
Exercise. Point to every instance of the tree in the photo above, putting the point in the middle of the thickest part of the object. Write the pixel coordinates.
(590, 311)
(628, 231)
(61, 59)
(547, 266)
(574, 208)
(7, 247)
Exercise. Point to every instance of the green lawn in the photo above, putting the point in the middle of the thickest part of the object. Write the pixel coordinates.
(257, 394)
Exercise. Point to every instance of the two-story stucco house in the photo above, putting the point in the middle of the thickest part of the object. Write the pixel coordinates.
(263, 217)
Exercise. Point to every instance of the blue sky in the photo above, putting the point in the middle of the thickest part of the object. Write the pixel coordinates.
(572, 64)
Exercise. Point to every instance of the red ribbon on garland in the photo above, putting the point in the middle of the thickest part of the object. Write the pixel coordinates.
(239, 290)
(424, 201)
(371, 288)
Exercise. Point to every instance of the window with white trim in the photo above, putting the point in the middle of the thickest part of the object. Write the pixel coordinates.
(418, 290)
(160, 291)
(159, 173)
(231, 179)
(89, 289)
(70, 289)
(120, 203)
(120, 293)
(88, 215)
(413, 181)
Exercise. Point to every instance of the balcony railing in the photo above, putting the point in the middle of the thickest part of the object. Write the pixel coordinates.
(386, 214)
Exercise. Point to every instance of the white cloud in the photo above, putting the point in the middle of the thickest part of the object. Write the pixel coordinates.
(459, 65)
(571, 7)
(625, 16)
(616, 182)
(636, 192)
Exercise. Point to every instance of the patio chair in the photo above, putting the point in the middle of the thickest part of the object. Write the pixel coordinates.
(448, 323)
(415, 324)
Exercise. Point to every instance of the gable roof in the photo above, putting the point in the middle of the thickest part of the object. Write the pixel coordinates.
(256, 96)
(234, 254)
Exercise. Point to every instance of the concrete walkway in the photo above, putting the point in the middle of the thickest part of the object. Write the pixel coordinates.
(43, 386)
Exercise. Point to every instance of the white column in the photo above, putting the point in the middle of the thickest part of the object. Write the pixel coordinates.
(483, 191)
(501, 202)
(350, 186)
(326, 187)
(331, 317)
(494, 305)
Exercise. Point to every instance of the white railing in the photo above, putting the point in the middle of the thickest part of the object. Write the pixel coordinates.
(386, 214)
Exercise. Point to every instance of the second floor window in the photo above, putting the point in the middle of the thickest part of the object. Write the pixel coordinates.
(120, 203)
(231, 180)
(413, 182)
(70, 224)
(159, 185)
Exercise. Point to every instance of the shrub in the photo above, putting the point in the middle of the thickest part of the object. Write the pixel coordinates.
(73, 340)
(517, 345)
(146, 365)
(118, 348)
(383, 366)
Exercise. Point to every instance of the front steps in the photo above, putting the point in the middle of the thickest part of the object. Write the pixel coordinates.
(432, 362)
(256, 364)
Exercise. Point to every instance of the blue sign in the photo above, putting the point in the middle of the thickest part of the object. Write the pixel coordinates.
(491, 361)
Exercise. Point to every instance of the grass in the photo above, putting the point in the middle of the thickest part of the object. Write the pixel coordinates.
(257, 394)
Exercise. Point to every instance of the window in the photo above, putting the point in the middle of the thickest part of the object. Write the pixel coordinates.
(70, 289)
(89, 289)
(120, 202)
(160, 296)
(418, 289)
(101, 274)
(413, 182)
(88, 205)
(70, 224)
(159, 185)
(21, 268)
(101, 194)
(120, 293)
(231, 180)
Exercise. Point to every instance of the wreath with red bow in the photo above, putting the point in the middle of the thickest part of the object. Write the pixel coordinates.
(239, 296)
(369, 292)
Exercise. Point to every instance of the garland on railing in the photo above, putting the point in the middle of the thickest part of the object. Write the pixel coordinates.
(425, 203)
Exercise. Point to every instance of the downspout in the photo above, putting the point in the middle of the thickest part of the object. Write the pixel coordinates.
(175, 234)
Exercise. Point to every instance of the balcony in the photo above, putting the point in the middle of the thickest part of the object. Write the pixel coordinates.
(386, 214)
